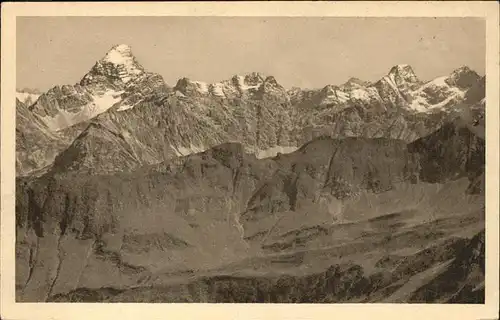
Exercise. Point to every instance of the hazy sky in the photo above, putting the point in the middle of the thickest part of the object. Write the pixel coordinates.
(307, 52)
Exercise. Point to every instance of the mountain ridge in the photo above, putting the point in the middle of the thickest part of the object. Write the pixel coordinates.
(274, 118)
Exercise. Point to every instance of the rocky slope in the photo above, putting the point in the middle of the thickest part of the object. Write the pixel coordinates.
(339, 283)
(64, 112)
(37, 145)
(328, 206)
(136, 119)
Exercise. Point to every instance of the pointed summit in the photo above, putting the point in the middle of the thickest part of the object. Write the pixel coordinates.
(402, 73)
(463, 69)
(248, 81)
(463, 77)
(354, 83)
(119, 53)
(118, 66)
(271, 89)
(189, 87)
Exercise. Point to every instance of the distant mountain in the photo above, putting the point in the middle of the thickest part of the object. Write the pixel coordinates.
(253, 86)
(118, 96)
(399, 89)
(116, 79)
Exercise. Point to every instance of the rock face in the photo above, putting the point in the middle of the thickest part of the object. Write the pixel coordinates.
(445, 156)
(36, 144)
(243, 191)
(463, 279)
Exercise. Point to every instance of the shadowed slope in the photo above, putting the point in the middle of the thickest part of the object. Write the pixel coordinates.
(337, 200)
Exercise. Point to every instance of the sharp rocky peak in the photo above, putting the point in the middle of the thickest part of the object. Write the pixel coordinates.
(182, 82)
(463, 69)
(463, 77)
(118, 66)
(251, 80)
(271, 79)
(254, 78)
(188, 86)
(403, 73)
(118, 53)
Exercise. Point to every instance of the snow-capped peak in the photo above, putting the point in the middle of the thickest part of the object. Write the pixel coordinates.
(119, 54)
(118, 63)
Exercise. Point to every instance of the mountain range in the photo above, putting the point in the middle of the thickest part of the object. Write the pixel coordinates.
(129, 189)
(255, 110)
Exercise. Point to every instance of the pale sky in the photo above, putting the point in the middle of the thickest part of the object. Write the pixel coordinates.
(308, 52)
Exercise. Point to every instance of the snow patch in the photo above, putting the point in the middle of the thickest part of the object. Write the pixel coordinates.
(99, 104)
(440, 82)
(420, 102)
(390, 80)
(342, 96)
(201, 86)
(26, 96)
(121, 56)
(124, 107)
(179, 94)
(103, 102)
(360, 94)
(126, 134)
(217, 89)
(243, 85)
(116, 57)
(181, 151)
(273, 152)
(443, 103)
(185, 151)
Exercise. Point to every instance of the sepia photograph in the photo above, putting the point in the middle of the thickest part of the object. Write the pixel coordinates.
(263, 159)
